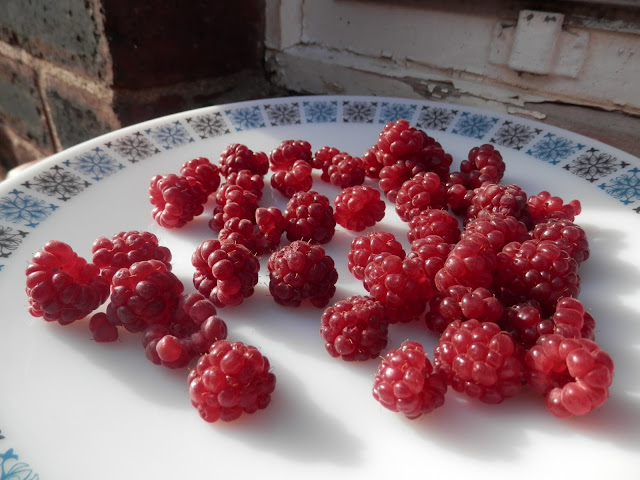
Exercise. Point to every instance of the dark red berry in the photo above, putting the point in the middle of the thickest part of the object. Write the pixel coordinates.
(175, 200)
(371, 164)
(407, 383)
(364, 247)
(432, 251)
(498, 228)
(358, 207)
(566, 235)
(483, 164)
(241, 231)
(355, 328)
(346, 171)
(102, 329)
(422, 192)
(237, 157)
(284, 155)
(309, 217)
(271, 224)
(498, 198)
(201, 171)
(434, 221)
(297, 178)
(322, 160)
(544, 207)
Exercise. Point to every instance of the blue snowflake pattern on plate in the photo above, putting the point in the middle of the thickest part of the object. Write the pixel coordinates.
(12, 469)
(593, 165)
(624, 187)
(10, 240)
(321, 111)
(211, 125)
(553, 149)
(24, 209)
(514, 135)
(134, 147)
(246, 118)
(170, 135)
(474, 125)
(356, 111)
(283, 113)
(57, 182)
(95, 163)
(436, 118)
(392, 112)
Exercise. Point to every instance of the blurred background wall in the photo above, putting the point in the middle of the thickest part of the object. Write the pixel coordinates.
(73, 69)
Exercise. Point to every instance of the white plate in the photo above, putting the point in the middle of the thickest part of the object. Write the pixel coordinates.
(71, 408)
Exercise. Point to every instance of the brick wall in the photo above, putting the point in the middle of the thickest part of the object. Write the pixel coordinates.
(74, 69)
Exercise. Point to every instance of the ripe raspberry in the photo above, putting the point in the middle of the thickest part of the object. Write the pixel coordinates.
(398, 139)
(458, 196)
(102, 329)
(544, 206)
(201, 171)
(391, 177)
(355, 328)
(309, 217)
(302, 271)
(434, 159)
(194, 328)
(407, 383)
(297, 178)
(229, 380)
(240, 231)
(246, 179)
(471, 263)
(462, 303)
(479, 359)
(420, 193)
(574, 374)
(371, 164)
(236, 157)
(364, 247)
(144, 294)
(358, 207)
(499, 229)
(270, 223)
(432, 252)
(322, 160)
(483, 164)
(434, 221)
(498, 198)
(233, 202)
(346, 171)
(566, 235)
(538, 270)
(61, 286)
(176, 201)
(226, 273)
(126, 248)
(400, 285)
(284, 155)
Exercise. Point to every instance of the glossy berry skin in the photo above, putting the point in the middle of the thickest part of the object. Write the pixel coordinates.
(102, 330)
(502, 199)
(401, 285)
(230, 380)
(391, 177)
(236, 157)
(407, 383)
(354, 329)
(176, 201)
(245, 179)
(498, 228)
(62, 286)
(479, 359)
(364, 247)
(371, 164)
(270, 223)
(144, 294)
(124, 249)
(201, 171)
(434, 221)
(432, 252)
(544, 207)
(309, 217)
(566, 235)
(322, 161)
(297, 178)
(233, 202)
(358, 207)
(225, 272)
(422, 192)
(241, 231)
(483, 164)
(346, 171)
(538, 270)
(284, 155)
(574, 374)
(397, 140)
(301, 271)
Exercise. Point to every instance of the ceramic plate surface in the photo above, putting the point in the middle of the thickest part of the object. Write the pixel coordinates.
(72, 408)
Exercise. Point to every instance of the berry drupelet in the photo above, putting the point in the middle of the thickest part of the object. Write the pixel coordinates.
(236, 157)
(358, 207)
(364, 247)
(309, 217)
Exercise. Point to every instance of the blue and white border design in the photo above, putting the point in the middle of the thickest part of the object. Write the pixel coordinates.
(24, 208)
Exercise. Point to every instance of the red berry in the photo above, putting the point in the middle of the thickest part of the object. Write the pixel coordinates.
(301, 271)
(240, 231)
(346, 171)
(434, 221)
(271, 224)
(407, 383)
(175, 200)
(483, 164)
(358, 207)
(285, 154)
(229, 380)
(309, 217)
(322, 160)
(432, 252)
(226, 272)
(371, 164)
(398, 139)
(479, 359)
(297, 178)
(364, 247)
(201, 171)
(544, 207)
(566, 235)
(498, 198)
(574, 374)
(422, 192)
(61, 286)
(355, 328)
(237, 157)
(102, 329)
(498, 228)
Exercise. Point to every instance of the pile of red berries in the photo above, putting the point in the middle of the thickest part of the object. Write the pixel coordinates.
(492, 272)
